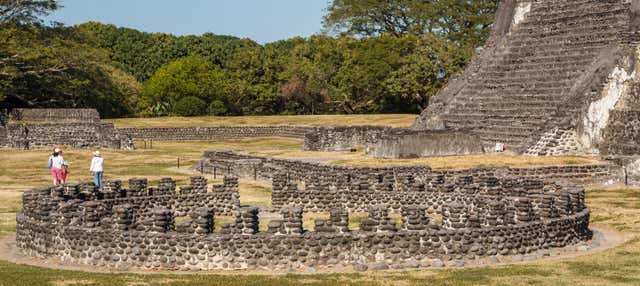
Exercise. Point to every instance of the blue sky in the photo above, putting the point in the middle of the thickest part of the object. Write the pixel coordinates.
(261, 20)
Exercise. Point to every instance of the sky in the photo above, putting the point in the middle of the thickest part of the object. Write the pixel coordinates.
(263, 21)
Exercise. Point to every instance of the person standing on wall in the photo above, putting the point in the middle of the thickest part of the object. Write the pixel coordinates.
(55, 165)
(97, 168)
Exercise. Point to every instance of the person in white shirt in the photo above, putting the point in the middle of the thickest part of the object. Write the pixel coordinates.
(97, 168)
(55, 164)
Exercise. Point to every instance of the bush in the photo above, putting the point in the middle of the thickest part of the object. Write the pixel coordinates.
(217, 107)
(189, 106)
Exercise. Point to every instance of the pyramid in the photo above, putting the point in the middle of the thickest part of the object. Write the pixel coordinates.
(555, 77)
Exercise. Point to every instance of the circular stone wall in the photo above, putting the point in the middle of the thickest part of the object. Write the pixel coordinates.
(136, 227)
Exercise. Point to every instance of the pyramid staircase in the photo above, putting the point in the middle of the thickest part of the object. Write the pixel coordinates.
(524, 83)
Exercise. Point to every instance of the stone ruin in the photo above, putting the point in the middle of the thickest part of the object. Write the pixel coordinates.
(555, 77)
(264, 168)
(46, 128)
(161, 228)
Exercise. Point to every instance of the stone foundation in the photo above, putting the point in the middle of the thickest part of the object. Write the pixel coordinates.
(48, 128)
(343, 138)
(72, 134)
(78, 225)
(428, 143)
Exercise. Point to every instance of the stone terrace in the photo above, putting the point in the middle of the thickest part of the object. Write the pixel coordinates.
(531, 76)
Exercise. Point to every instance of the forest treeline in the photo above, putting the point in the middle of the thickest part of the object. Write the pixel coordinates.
(373, 57)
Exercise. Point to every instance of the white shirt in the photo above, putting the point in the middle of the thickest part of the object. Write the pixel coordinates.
(97, 164)
(56, 162)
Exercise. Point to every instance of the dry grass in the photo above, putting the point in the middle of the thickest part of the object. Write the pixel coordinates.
(27, 169)
(255, 195)
(395, 120)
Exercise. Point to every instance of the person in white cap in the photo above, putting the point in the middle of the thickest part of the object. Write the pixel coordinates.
(55, 165)
(97, 168)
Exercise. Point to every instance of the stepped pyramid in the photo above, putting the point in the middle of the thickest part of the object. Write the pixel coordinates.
(555, 77)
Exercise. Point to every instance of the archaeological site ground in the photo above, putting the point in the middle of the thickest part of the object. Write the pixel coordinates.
(524, 170)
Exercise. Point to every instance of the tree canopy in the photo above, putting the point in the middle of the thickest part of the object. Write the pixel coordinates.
(189, 77)
(25, 11)
(385, 56)
(463, 21)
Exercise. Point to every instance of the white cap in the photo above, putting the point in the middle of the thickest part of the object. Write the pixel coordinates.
(96, 153)
(56, 150)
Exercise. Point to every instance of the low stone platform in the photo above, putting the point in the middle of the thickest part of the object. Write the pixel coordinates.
(425, 143)
(137, 227)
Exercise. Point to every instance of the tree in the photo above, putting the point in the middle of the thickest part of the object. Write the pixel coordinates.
(192, 76)
(48, 67)
(361, 77)
(423, 73)
(464, 21)
(189, 106)
(142, 54)
(309, 70)
(25, 11)
(217, 107)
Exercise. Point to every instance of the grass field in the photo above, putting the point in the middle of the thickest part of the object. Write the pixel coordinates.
(616, 209)
(395, 120)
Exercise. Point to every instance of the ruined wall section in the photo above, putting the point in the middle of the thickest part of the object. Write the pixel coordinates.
(55, 115)
(360, 194)
(86, 230)
(72, 134)
(620, 134)
(388, 142)
(47, 128)
(4, 137)
(215, 132)
(343, 138)
(334, 176)
(420, 144)
(548, 78)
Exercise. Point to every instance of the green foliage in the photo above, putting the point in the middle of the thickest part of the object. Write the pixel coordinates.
(50, 67)
(25, 11)
(403, 53)
(189, 106)
(465, 22)
(217, 107)
(142, 54)
(192, 76)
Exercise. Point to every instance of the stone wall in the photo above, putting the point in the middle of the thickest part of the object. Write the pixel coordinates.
(72, 134)
(55, 115)
(622, 135)
(416, 144)
(360, 194)
(214, 132)
(342, 138)
(4, 138)
(48, 128)
(263, 168)
(89, 230)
